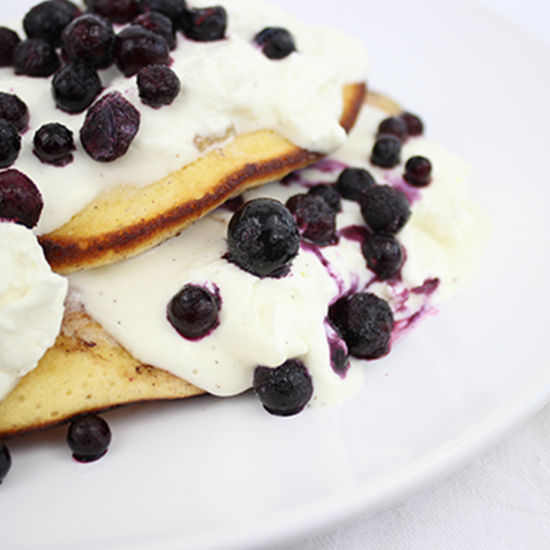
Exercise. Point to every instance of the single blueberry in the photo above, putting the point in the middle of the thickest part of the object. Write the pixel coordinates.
(385, 209)
(117, 11)
(20, 199)
(275, 42)
(415, 127)
(173, 9)
(204, 24)
(48, 19)
(88, 437)
(54, 144)
(386, 151)
(384, 255)
(158, 85)
(315, 219)
(394, 126)
(352, 183)
(14, 110)
(418, 171)
(328, 193)
(8, 40)
(159, 23)
(10, 143)
(35, 57)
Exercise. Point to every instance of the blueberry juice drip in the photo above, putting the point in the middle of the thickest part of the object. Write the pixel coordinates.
(328, 166)
(314, 249)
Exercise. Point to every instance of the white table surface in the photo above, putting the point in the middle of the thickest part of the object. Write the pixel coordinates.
(501, 500)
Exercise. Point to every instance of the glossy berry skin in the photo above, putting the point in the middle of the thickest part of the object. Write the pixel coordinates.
(14, 111)
(384, 255)
(20, 200)
(75, 87)
(8, 40)
(158, 85)
(365, 323)
(193, 312)
(415, 126)
(10, 143)
(117, 11)
(284, 390)
(137, 47)
(394, 126)
(418, 171)
(205, 24)
(109, 128)
(5, 461)
(88, 437)
(352, 183)
(54, 144)
(262, 238)
(173, 9)
(48, 19)
(385, 209)
(91, 39)
(329, 194)
(159, 23)
(275, 42)
(315, 219)
(35, 57)
(386, 151)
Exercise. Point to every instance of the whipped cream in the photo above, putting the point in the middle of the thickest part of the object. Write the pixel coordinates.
(31, 304)
(267, 321)
(228, 86)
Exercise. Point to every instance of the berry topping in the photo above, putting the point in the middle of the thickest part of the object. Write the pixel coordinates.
(193, 312)
(262, 238)
(88, 437)
(352, 183)
(385, 209)
(109, 128)
(173, 9)
(275, 42)
(204, 25)
(54, 144)
(90, 38)
(75, 87)
(10, 143)
(5, 461)
(418, 171)
(415, 127)
(48, 19)
(20, 200)
(339, 356)
(158, 85)
(118, 11)
(386, 151)
(328, 193)
(137, 47)
(394, 126)
(384, 255)
(284, 390)
(14, 110)
(8, 40)
(316, 220)
(158, 23)
(365, 322)
(35, 57)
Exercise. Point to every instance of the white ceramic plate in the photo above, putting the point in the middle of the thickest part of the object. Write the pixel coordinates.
(215, 474)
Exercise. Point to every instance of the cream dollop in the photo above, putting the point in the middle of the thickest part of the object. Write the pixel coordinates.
(31, 304)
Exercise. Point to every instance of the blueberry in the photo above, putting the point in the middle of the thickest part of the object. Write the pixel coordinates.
(10, 143)
(352, 183)
(5, 461)
(14, 110)
(8, 40)
(137, 47)
(418, 171)
(339, 355)
(88, 437)
(275, 42)
(193, 312)
(90, 38)
(158, 85)
(75, 87)
(109, 128)
(365, 322)
(386, 151)
(284, 390)
(54, 144)
(328, 193)
(262, 238)
(394, 126)
(315, 219)
(385, 209)
(415, 127)
(384, 255)
(156, 22)
(204, 25)
(20, 200)
(173, 9)
(35, 57)
(48, 19)
(118, 11)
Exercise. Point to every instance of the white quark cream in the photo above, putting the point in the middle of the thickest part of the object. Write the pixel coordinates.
(31, 304)
(226, 85)
(265, 321)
